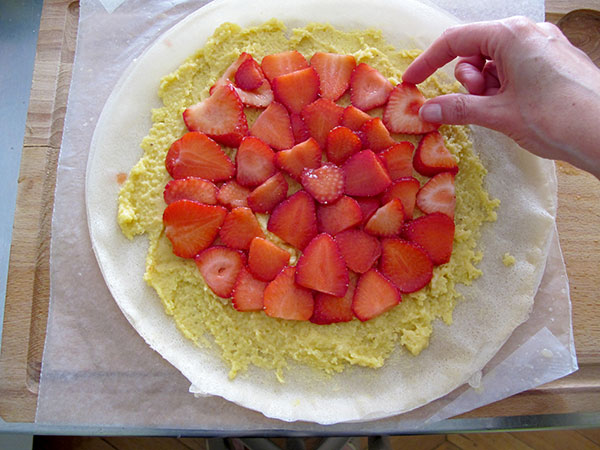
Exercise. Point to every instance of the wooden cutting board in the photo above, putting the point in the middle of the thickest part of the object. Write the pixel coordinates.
(28, 277)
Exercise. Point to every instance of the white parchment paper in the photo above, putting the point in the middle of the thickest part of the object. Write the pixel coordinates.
(98, 371)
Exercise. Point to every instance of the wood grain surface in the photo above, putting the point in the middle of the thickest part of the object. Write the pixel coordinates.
(28, 278)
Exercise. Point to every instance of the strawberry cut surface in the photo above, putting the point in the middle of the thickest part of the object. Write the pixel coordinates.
(265, 259)
(331, 309)
(334, 72)
(325, 184)
(359, 249)
(342, 143)
(278, 64)
(285, 299)
(273, 127)
(368, 87)
(432, 156)
(239, 228)
(248, 292)
(305, 155)
(404, 189)
(191, 188)
(295, 220)
(398, 160)
(254, 161)
(405, 264)
(438, 195)
(297, 89)
(435, 233)
(387, 221)
(233, 195)
(220, 267)
(374, 296)
(365, 175)
(320, 117)
(338, 216)
(269, 194)
(401, 113)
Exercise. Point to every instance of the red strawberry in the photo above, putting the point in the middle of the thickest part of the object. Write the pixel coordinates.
(387, 220)
(435, 233)
(249, 75)
(365, 175)
(406, 264)
(191, 227)
(295, 220)
(338, 216)
(299, 129)
(220, 267)
(297, 89)
(285, 299)
(273, 127)
(248, 292)
(334, 73)
(359, 249)
(322, 268)
(269, 194)
(331, 309)
(320, 117)
(374, 296)
(405, 189)
(354, 118)
(438, 195)
(254, 161)
(265, 259)
(368, 87)
(401, 114)
(342, 143)
(260, 96)
(197, 155)
(220, 116)
(278, 64)
(233, 195)
(325, 184)
(305, 155)
(375, 136)
(239, 228)
(229, 74)
(191, 188)
(398, 159)
(432, 156)
(368, 206)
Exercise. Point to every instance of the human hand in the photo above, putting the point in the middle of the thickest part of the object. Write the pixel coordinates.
(523, 79)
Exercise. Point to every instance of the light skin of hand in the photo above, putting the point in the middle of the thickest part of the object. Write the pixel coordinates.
(523, 79)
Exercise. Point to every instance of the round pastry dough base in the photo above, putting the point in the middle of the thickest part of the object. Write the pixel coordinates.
(494, 306)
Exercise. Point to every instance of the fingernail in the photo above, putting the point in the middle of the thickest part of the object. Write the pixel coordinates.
(431, 113)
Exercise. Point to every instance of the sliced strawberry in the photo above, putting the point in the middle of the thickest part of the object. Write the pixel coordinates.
(254, 161)
(260, 96)
(435, 233)
(191, 188)
(375, 136)
(398, 159)
(273, 127)
(325, 184)
(249, 75)
(432, 156)
(320, 117)
(374, 296)
(359, 249)
(233, 195)
(220, 267)
(331, 309)
(239, 228)
(338, 216)
(278, 64)
(269, 194)
(286, 299)
(401, 114)
(248, 292)
(220, 116)
(295, 220)
(322, 268)
(297, 89)
(387, 220)
(405, 189)
(191, 227)
(354, 118)
(368, 87)
(406, 264)
(305, 155)
(438, 195)
(197, 155)
(365, 175)
(334, 72)
(342, 143)
(368, 206)
(265, 259)
(299, 129)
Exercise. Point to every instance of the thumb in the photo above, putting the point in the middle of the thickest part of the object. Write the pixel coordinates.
(461, 109)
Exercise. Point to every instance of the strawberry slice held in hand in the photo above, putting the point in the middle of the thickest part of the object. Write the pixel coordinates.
(295, 220)
(387, 220)
(359, 249)
(374, 295)
(269, 194)
(273, 127)
(191, 188)
(334, 72)
(220, 267)
(265, 259)
(398, 160)
(325, 184)
(322, 268)
(354, 118)
(282, 63)
(320, 117)
(239, 228)
(405, 189)
(285, 299)
(438, 195)
(435, 233)
(401, 113)
(254, 161)
(331, 309)
(368, 87)
(220, 116)
(338, 216)
(365, 175)
(248, 292)
(406, 264)
(342, 143)
(297, 89)
(197, 155)
(305, 155)
(432, 156)
(192, 227)
(375, 136)
(233, 195)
